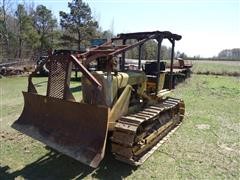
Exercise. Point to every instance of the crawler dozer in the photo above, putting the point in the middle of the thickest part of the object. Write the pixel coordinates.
(127, 107)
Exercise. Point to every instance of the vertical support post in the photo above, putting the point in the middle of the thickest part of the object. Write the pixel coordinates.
(159, 40)
(67, 79)
(122, 67)
(139, 56)
(49, 75)
(109, 97)
(171, 67)
(76, 74)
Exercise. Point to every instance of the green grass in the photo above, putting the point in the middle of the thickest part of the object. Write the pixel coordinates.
(12, 99)
(206, 146)
(213, 152)
(216, 68)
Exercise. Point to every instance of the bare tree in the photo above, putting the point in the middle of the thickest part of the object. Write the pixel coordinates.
(5, 10)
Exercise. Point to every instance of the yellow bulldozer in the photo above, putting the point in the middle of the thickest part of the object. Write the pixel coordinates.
(123, 105)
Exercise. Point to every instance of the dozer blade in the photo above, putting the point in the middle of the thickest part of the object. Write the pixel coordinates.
(75, 129)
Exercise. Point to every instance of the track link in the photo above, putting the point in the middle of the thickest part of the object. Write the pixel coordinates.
(138, 135)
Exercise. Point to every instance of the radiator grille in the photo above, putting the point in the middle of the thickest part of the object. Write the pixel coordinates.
(57, 78)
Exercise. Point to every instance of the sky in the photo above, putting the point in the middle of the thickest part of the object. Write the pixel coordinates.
(206, 26)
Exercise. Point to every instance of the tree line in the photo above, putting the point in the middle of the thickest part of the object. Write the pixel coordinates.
(28, 30)
(229, 54)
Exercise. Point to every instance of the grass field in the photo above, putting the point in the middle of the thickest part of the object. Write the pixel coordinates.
(206, 146)
(230, 68)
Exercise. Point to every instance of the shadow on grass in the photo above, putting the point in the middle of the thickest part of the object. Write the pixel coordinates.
(78, 79)
(57, 166)
(76, 89)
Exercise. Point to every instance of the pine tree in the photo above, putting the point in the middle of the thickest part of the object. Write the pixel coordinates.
(79, 23)
(44, 24)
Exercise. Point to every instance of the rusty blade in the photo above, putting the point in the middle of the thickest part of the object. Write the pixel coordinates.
(75, 129)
